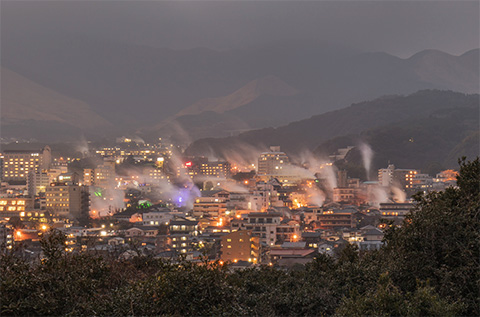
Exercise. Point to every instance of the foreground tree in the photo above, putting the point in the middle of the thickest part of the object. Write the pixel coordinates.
(440, 242)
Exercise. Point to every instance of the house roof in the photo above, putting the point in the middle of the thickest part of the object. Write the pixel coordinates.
(210, 193)
(373, 232)
(300, 244)
(311, 234)
(367, 227)
(264, 214)
(144, 228)
(182, 221)
(292, 253)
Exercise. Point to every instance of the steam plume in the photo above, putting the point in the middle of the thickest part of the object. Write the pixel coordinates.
(367, 155)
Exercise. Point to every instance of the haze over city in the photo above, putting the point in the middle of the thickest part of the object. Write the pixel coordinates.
(201, 158)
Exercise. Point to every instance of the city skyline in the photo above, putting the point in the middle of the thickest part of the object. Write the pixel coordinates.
(239, 158)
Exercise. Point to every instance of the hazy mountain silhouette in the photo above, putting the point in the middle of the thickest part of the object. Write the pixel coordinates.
(440, 120)
(269, 86)
(138, 87)
(39, 110)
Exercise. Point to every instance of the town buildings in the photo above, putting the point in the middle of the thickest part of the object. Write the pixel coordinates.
(240, 245)
(167, 205)
(17, 164)
(68, 200)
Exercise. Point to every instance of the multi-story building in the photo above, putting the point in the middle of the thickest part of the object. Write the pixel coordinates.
(288, 231)
(265, 196)
(110, 151)
(395, 210)
(157, 218)
(6, 237)
(343, 194)
(385, 176)
(336, 218)
(69, 178)
(391, 176)
(405, 178)
(311, 214)
(89, 177)
(15, 206)
(155, 173)
(264, 225)
(191, 166)
(273, 162)
(421, 182)
(105, 174)
(65, 200)
(181, 234)
(102, 176)
(240, 245)
(17, 164)
(340, 154)
(38, 182)
(209, 206)
(219, 169)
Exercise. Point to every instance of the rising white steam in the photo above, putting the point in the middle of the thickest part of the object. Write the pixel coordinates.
(315, 197)
(367, 155)
(399, 195)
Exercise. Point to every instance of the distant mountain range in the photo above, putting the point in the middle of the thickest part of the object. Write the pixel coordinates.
(203, 93)
(33, 111)
(413, 131)
(267, 86)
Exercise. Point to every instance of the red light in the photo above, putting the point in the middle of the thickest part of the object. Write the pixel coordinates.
(188, 164)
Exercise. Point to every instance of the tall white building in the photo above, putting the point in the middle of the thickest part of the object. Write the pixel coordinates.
(17, 164)
(273, 162)
(385, 176)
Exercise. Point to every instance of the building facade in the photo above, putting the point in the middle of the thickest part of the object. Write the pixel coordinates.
(72, 201)
(17, 164)
(240, 245)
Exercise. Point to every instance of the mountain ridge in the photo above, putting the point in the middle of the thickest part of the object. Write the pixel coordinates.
(136, 87)
(269, 85)
(308, 134)
(24, 100)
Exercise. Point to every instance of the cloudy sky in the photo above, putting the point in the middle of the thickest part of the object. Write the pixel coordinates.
(401, 28)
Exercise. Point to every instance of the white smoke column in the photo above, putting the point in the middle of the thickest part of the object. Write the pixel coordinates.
(329, 172)
(378, 195)
(177, 133)
(399, 195)
(367, 155)
(179, 195)
(111, 200)
(298, 171)
(82, 147)
(316, 197)
(226, 184)
(138, 140)
(243, 156)
(322, 167)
